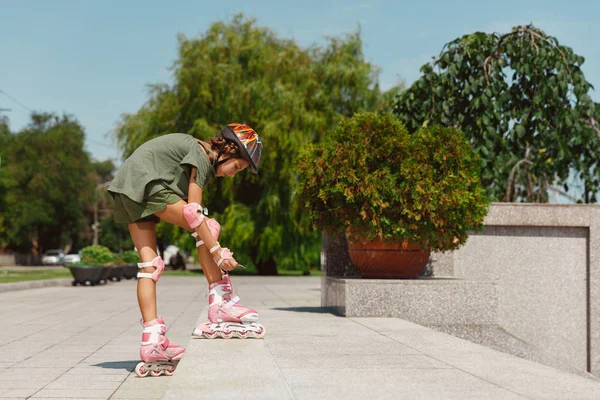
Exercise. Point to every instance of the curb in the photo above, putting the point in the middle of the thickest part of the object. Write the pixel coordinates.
(7, 287)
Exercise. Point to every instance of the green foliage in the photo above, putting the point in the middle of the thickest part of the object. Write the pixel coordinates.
(114, 236)
(240, 72)
(46, 182)
(97, 255)
(104, 170)
(5, 179)
(371, 178)
(130, 257)
(522, 101)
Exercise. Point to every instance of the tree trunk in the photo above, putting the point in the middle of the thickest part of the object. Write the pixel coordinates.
(335, 259)
(266, 267)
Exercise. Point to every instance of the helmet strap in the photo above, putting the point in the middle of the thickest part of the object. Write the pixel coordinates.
(217, 161)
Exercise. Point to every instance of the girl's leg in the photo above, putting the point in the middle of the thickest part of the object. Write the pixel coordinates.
(173, 214)
(144, 239)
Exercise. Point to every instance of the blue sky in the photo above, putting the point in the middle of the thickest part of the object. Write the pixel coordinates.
(93, 59)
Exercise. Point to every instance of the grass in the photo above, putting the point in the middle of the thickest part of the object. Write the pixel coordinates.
(11, 276)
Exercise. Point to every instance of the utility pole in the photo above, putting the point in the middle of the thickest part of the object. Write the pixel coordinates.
(96, 224)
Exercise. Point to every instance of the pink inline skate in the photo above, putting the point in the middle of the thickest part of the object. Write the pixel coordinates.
(157, 353)
(227, 317)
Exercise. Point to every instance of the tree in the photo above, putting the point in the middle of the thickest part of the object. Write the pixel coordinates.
(522, 100)
(240, 72)
(48, 181)
(5, 182)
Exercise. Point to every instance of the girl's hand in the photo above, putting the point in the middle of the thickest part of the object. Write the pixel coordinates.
(228, 263)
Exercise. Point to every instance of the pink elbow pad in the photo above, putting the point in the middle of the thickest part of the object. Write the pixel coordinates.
(192, 213)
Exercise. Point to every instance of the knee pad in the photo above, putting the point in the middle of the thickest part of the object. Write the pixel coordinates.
(193, 215)
(215, 230)
(157, 263)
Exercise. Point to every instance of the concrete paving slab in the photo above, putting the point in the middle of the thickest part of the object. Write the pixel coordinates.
(88, 337)
(352, 384)
(19, 393)
(74, 393)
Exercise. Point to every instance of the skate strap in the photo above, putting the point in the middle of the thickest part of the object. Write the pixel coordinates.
(232, 302)
(155, 332)
(145, 264)
(158, 328)
(198, 243)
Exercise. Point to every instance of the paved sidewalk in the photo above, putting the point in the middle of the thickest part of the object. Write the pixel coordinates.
(82, 342)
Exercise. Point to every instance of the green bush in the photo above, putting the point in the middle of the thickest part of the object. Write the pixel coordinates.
(130, 257)
(97, 255)
(371, 178)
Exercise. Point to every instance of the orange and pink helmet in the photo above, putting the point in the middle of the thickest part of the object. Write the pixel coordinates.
(248, 142)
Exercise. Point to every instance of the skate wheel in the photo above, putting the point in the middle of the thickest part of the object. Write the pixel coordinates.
(169, 372)
(226, 335)
(242, 334)
(140, 371)
(260, 334)
(211, 335)
(157, 372)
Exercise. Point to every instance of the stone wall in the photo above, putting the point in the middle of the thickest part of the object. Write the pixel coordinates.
(543, 265)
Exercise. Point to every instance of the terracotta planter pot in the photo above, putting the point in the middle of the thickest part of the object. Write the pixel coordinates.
(379, 260)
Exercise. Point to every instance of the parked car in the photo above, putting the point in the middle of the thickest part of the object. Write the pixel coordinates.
(73, 258)
(53, 257)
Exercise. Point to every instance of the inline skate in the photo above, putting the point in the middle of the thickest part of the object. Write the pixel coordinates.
(227, 317)
(158, 354)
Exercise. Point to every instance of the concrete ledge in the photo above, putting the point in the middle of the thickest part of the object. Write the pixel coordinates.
(7, 287)
(427, 301)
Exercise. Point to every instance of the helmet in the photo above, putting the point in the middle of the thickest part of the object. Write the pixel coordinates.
(247, 141)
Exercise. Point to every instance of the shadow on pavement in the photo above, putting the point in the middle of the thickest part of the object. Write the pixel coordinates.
(127, 365)
(315, 310)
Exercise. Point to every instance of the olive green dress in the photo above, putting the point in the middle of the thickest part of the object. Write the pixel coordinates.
(157, 174)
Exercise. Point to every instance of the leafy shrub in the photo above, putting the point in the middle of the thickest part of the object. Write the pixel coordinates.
(371, 178)
(97, 255)
(130, 257)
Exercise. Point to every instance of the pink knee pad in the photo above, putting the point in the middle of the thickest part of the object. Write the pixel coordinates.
(215, 230)
(192, 216)
(157, 263)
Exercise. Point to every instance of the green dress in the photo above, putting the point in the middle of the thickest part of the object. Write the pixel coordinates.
(157, 174)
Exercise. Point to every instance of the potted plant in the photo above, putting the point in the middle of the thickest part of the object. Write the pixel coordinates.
(130, 259)
(95, 266)
(395, 195)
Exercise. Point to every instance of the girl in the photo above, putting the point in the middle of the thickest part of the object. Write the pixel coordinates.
(163, 180)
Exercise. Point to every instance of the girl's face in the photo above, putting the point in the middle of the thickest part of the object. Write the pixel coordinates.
(232, 167)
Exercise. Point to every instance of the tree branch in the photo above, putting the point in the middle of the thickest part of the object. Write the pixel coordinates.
(511, 178)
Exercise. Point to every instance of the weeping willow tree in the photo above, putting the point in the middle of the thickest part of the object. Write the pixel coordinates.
(241, 72)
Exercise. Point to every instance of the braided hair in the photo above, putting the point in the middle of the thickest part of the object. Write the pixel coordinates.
(223, 147)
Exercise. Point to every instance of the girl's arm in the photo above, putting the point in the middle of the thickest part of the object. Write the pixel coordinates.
(195, 196)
